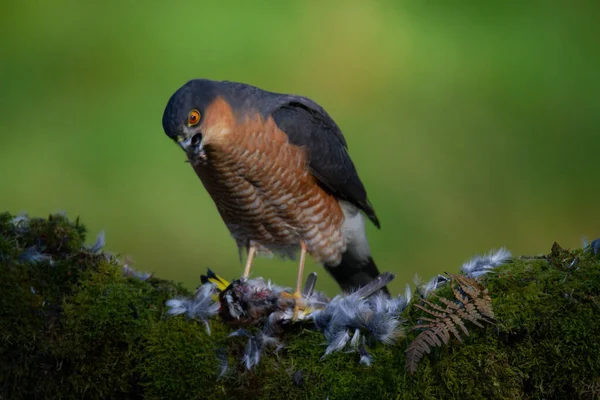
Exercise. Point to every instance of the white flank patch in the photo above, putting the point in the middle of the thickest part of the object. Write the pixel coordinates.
(354, 232)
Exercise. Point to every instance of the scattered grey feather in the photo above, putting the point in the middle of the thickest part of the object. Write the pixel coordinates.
(34, 256)
(235, 308)
(338, 339)
(178, 306)
(259, 284)
(223, 360)
(344, 320)
(317, 300)
(131, 272)
(384, 327)
(254, 347)
(419, 284)
(239, 332)
(381, 303)
(407, 295)
(574, 263)
(594, 246)
(99, 244)
(378, 316)
(418, 281)
(278, 347)
(251, 354)
(21, 222)
(355, 339)
(273, 322)
(376, 284)
(322, 317)
(365, 358)
(481, 265)
(474, 268)
(433, 284)
(297, 378)
(309, 284)
(201, 306)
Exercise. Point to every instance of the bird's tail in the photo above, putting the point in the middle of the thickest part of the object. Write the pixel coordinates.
(353, 272)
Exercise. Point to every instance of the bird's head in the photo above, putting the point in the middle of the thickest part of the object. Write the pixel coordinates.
(185, 116)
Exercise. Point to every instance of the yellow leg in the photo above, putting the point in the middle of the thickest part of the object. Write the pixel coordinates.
(298, 304)
(249, 260)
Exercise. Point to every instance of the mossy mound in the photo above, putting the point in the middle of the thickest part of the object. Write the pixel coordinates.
(73, 326)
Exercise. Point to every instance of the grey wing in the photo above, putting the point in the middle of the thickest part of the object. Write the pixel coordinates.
(308, 125)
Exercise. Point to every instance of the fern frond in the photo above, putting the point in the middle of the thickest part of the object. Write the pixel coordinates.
(468, 285)
(432, 311)
(449, 303)
(441, 322)
(459, 322)
(451, 325)
(484, 305)
(418, 348)
(470, 314)
(458, 295)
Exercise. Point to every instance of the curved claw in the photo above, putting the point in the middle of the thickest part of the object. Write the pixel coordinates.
(298, 305)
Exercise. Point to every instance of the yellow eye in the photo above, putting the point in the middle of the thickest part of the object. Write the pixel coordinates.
(193, 117)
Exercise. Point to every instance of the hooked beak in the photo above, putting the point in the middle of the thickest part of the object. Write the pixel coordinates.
(185, 143)
(193, 147)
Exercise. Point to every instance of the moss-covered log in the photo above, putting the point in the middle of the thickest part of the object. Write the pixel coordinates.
(73, 326)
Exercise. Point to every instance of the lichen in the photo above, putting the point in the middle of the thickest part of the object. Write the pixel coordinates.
(73, 325)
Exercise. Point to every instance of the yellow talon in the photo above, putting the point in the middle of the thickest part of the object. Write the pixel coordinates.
(298, 299)
(298, 304)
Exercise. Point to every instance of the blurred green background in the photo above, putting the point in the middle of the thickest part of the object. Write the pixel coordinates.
(472, 126)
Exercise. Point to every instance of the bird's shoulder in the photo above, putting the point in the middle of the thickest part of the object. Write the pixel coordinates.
(309, 126)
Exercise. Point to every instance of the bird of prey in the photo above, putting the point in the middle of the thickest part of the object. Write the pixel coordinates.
(277, 168)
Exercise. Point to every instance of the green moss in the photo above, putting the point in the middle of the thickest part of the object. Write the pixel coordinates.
(70, 323)
(180, 361)
(73, 327)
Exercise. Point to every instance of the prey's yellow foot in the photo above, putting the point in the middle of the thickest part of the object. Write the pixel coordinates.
(298, 304)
